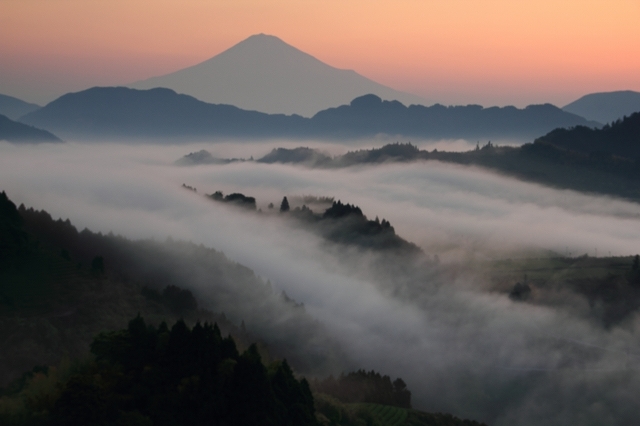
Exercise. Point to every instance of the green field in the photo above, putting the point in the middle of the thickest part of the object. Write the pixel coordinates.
(386, 415)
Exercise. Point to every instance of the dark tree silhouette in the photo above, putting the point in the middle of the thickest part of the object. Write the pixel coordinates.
(284, 206)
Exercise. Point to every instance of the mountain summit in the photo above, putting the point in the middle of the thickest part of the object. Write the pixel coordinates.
(605, 107)
(264, 73)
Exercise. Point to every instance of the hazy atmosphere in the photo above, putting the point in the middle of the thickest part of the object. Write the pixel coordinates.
(319, 213)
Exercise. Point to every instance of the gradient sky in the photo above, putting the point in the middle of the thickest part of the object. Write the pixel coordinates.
(491, 52)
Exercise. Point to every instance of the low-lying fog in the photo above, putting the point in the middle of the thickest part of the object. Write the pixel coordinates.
(460, 349)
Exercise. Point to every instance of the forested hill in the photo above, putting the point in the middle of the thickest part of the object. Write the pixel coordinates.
(69, 285)
(541, 162)
(620, 138)
(107, 113)
(339, 223)
(15, 132)
(63, 291)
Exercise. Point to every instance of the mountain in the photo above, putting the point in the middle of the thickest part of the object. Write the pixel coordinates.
(263, 73)
(104, 113)
(620, 138)
(15, 108)
(12, 131)
(369, 115)
(157, 114)
(607, 106)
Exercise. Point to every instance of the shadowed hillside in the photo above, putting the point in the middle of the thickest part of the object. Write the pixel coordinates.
(162, 115)
(620, 138)
(59, 287)
(14, 108)
(14, 132)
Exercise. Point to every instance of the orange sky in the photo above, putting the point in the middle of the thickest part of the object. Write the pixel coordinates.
(492, 52)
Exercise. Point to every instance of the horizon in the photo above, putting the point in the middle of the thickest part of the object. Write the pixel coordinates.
(494, 54)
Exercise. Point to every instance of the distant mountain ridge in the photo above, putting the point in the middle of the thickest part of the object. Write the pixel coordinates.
(606, 107)
(15, 132)
(104, 113)
(263, 73)
(369, 115)
(15, 108)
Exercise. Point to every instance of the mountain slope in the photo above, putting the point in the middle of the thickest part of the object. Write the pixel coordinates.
(369, 115)
(543, 162)
(15, 108)
(607, 106)
(122, 113)
(12, 131)
(621, 138)
(263, 73)
(163, 115)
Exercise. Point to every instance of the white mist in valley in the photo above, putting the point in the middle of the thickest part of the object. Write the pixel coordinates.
(460, 347)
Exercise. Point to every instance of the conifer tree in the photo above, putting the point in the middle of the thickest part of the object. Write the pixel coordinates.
(284, 207)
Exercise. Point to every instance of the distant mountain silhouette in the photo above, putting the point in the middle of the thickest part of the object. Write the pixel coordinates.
(12, 131)
(15, 108)
(369, 115)
(104, 113)
(607, 106)
(264, 73)
(621, 138)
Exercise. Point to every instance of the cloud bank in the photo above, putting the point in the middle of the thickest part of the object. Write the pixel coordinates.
(460, 348)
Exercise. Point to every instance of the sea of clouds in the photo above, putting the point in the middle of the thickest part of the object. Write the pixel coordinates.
(460, 348)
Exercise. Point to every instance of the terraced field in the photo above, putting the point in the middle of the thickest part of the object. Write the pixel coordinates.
(386, 414)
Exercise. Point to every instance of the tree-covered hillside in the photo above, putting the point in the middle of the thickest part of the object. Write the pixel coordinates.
(620, 138)
(146, 375)
(59, 287)
(63, 291)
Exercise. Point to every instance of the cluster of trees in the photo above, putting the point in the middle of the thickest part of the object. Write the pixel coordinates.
(236, 198)
(346, 224)
(365, 386)
(144, 375)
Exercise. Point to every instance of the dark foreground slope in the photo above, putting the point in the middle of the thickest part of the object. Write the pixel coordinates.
(107, 113)
(58, 296)
(146, 375)
(15, 132)
(59, 287)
